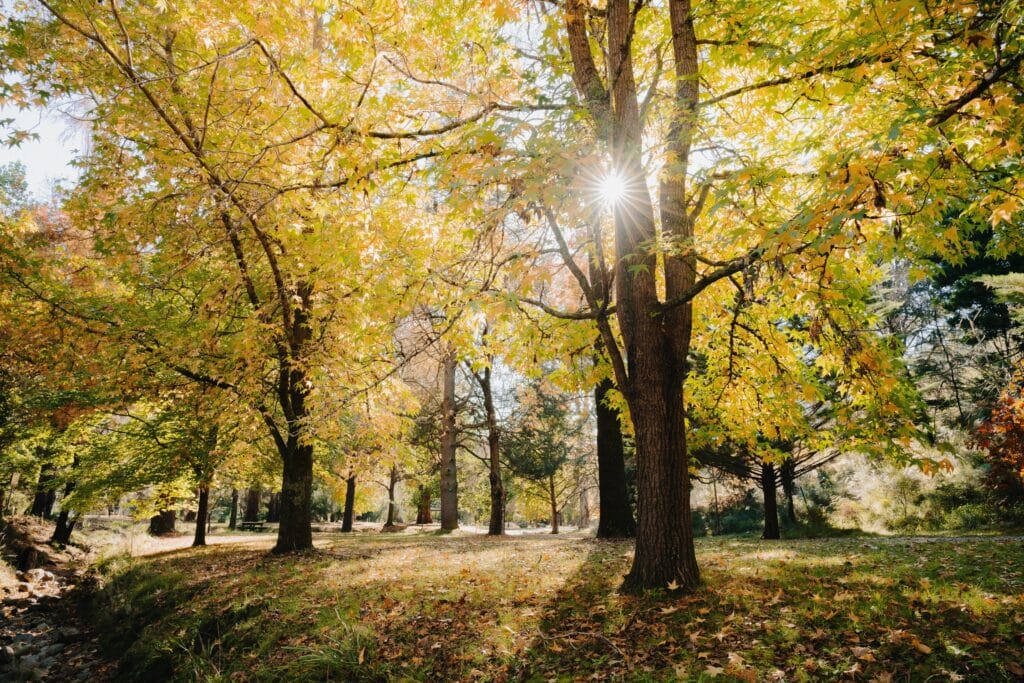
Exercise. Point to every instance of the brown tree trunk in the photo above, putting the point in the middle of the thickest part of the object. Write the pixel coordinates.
(350, 503)
(655, 334)
(65, 524)
(295, 530)
(162, 523)
(392, 482)
(45, 496)
(274, 507)
(496, 524)
(554, 504)
(449, 473)
(583, 519)
(252, 505)
(202, 514)
(787, 472)
(771, 503)
(295, 527)
(233, 521)
(423, 506)
(616, 519)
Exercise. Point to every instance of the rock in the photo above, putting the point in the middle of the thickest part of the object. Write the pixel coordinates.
(6, 654)
(40, 576)
(52, 649)
(68, 632)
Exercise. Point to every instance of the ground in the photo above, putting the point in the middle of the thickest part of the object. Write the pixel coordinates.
(375, 607)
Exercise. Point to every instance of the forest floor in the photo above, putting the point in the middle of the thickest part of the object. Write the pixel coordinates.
(419, 606)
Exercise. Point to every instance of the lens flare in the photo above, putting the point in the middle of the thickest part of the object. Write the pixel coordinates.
(612, 188)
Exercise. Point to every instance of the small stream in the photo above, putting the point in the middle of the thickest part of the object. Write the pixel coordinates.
(41, 635)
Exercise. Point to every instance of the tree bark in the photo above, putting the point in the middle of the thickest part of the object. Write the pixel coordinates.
(554, 504)
(583, 519)
(423, 505)
(350, 502)
(771, 503)
(616, 520)
(496, 524)
(252, 504)
(787, 472)
(274, 507)
(65, 523)
(45, 496)
(202, 515)
(656, 338)
(233, 522)
(295, 531)
(162, 523)
(392, 482)
(295, 517)
(449, 473)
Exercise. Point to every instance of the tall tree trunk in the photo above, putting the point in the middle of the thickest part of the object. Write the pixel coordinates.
(274, 507)
(202, 515)
(350, 502)
(583, 520)
(392, 482)
(233, 522)
(655, 334)
(771, 503)
(2, 501)
(295, 515)
(449, 473)
(295, 531)
(423, 505)
(616, 520)
(252, 504)
(554, 504)
(496, 524)
(162, 523)
(65, 524)
(45, 496)
(787, 472)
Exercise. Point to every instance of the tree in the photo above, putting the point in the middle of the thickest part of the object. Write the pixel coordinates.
(285, 193)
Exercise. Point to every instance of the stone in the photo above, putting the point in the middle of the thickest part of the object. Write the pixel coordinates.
(40, 576)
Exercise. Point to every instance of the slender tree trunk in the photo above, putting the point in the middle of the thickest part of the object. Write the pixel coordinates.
(252, 504)
(423, 505)
(392, 482)
(496, 523)
(65, 524)
(449, 473)
(274, 507)
(202, 515)
(2, 501)
(295, 531)
(786, 473)
(616, 519)
(45, 496)
(350, 502)
(554, 504)
(771, 503)
(233, 522)
(583, 520)
(163, 523)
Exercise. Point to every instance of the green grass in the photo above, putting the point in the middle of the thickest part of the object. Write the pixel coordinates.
(385, 607)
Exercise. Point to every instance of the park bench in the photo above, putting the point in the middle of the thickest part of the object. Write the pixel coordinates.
(252, 526)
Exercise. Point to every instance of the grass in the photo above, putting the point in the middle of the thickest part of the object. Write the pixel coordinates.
(426, 607)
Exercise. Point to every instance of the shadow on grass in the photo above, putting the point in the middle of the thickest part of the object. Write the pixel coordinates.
(478, 608)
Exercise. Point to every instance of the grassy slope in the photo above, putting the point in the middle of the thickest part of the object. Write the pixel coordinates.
(380, 607)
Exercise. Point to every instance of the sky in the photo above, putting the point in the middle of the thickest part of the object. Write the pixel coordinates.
(48, 158)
